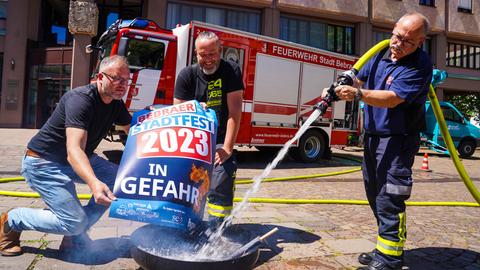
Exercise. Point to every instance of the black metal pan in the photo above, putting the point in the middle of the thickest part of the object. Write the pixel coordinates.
(155, 247)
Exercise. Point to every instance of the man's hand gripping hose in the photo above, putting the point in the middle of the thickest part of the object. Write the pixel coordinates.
(345, 78)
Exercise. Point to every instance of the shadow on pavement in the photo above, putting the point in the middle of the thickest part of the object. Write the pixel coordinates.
(284, 235)
(102, 251)
(434, 258)
(260, 159)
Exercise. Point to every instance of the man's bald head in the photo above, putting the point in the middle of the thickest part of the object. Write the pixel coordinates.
(416, 21)
(408, 35)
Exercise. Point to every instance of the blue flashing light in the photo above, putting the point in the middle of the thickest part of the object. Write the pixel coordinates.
(139, 23)
(135, 23)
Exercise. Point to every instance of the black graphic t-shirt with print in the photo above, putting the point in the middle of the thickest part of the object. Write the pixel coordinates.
(212, 89)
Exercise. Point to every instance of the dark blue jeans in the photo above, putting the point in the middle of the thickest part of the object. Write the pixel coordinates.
(387, 171)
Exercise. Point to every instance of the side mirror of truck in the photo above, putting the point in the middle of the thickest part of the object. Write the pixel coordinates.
(90, 48)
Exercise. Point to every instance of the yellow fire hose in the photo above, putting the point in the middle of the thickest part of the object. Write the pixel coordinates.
(451, 148)
(357, 66)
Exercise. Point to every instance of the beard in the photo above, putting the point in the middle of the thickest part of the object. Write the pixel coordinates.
(210, 71)
(117, 93)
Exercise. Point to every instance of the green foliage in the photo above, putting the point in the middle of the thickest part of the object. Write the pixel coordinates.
(469, 104)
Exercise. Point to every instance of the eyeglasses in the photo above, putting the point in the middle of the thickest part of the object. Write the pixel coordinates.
(115, 80)
(398, 38)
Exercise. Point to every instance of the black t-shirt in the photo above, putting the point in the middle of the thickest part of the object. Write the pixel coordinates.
(192, 83)
(81, 108)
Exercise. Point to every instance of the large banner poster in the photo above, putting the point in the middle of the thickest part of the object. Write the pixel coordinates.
(164, 174)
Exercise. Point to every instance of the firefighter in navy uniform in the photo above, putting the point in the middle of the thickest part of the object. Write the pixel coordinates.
(217, 83)
(399, 80)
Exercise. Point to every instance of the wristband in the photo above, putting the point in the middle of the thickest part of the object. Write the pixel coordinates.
(359, 94)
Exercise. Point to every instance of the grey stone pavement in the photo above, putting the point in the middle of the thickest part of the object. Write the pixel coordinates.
(311, 236)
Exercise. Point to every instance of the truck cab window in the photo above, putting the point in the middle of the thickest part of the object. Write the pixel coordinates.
(145, 54)
(451, 115)
(233, 54)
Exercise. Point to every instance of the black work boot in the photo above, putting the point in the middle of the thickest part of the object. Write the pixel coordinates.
(376, 265)
(366, 257)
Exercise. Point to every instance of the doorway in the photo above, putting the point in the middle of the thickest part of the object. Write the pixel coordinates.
(48, 79)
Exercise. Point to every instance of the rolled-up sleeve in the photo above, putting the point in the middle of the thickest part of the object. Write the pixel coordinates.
(410, 83)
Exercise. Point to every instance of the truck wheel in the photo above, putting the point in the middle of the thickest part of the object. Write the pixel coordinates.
(466, 148)
(311, 147)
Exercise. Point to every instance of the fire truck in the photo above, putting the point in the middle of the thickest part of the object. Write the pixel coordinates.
(283, 80)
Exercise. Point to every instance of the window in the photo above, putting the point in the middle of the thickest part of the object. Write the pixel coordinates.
(246, 20)
(145, 54)
(109, 11)
(55, 24)
(48, 78)
(335, 38)
(61, 34)
(465, 6)
(3, 16)
(430, 3)
(427, 47)
(381, 35)
(463, 56)
(1, 74)
(3, 9)
(451, 115)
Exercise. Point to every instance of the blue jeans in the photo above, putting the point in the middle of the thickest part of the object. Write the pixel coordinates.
(55, 183)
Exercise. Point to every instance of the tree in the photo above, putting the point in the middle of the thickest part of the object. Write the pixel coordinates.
(468, 104)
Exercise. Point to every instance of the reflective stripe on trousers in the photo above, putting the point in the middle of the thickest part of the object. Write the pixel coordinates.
(218, 210)
(393, 248)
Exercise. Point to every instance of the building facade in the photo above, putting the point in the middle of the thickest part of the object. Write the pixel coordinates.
(41, 59)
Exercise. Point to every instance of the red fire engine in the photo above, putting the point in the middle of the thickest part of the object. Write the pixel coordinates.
(283, 80)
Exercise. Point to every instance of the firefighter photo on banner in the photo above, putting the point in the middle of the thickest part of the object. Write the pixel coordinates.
(164, 174)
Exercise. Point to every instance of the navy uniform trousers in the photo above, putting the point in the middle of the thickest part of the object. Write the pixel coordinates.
(387, 172)
(222, 188)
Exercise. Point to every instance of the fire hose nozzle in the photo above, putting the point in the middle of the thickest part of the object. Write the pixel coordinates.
(347, 77)
(330, 97)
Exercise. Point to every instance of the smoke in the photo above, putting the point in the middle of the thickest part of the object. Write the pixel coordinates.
(98, 252)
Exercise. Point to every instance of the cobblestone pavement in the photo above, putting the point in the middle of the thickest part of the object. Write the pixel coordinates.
(311, 236)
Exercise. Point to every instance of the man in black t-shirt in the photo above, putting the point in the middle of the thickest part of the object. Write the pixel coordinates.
(61, 153)
(217, 83)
